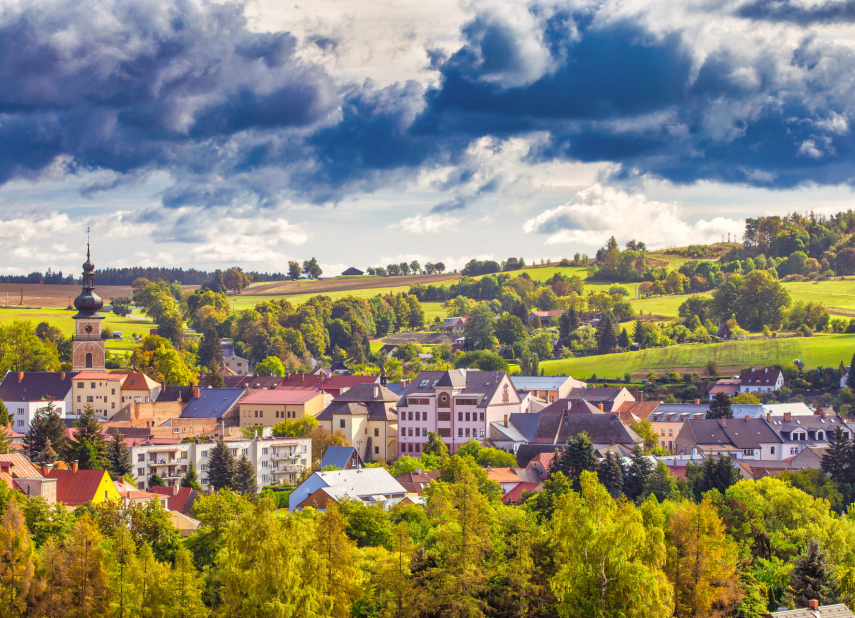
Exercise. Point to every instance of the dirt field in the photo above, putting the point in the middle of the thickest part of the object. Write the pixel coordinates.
(289, 288)
(54, 296)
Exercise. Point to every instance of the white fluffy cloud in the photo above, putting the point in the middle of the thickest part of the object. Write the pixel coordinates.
(598, 212)
(426, 224)
(248, 240)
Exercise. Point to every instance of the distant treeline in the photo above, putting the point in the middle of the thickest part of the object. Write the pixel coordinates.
(126, 276)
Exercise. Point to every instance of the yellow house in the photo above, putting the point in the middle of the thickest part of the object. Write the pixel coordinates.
(103, 391)
(366, 415)
(268, 407)
(77, 487)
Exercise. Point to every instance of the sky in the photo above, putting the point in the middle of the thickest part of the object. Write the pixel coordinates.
(365, 132)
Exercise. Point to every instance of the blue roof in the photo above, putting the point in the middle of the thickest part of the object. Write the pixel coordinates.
(337, 456)
(538, 383)
(212, 402)
(396, 388)
(526, 424)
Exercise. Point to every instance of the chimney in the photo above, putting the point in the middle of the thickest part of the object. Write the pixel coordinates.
(20, 377)
(768, 417)
(74, 467)
(175, 489)
(62, 376)
(302, 377)
(787, 417)
(722, 422)
(822, 415)
(641, 396)
(747, 418)
(196, 392)
(376, 392)
(697, 402)
(813, 604)
(600, 407)
(506, 420)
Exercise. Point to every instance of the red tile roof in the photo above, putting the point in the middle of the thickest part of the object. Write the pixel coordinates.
(503, 475)
(180, 501)
(75, 488)
(137, 381)
(514, 495)
(16, 466)
(641, 409)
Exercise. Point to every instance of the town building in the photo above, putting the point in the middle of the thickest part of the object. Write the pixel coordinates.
(801, 432)
(75, 487)
(220, 404)
(268, 407)
(546, 388)
(547, 318)
(814, 610)
(99, 389)
(341, 457)
(417, 481)
(740, 438)
(457, 405)
(370, 486)
(612, 398)
(761, 380)
(276, 460)
(456, 324)
(366, 414)
(23, 393)
(728, 386)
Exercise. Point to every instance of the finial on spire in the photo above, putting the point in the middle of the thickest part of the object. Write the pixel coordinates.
(87, 242)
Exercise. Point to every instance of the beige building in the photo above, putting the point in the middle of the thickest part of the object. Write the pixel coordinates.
(100, 389)
(268, 407)
(366, 415)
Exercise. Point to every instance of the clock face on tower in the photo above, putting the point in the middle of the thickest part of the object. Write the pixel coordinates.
(88, 328)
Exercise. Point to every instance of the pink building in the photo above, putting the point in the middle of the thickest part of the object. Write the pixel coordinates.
(457, 405)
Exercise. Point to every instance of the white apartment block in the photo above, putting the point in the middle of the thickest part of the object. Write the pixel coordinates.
(276, 460)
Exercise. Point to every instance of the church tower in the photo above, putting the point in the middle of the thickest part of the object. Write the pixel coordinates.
(87, 349)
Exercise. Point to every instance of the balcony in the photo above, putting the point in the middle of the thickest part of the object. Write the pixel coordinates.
(163, 462)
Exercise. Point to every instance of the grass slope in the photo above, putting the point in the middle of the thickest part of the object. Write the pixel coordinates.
(820, 350)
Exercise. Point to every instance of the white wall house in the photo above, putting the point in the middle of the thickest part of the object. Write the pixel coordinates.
(25, 392)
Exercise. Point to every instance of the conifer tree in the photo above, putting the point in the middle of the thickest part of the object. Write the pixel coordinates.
(5, 417)
(18, 567)
(215, 378)
(660, 483)
(606, 334)
(850, 379)
(835, 460)
(46, 426)
(577, 457)
(119, 456)
(190, 478)
(813, 578)
(567, 323)
(720, 407)
(125, 599)
(83, 572)
(715, 473)
(5, 441)
(221, 467)
(155, 480)
(210, 350)
(245, 480)
(89, 447)
(611, 475)
(639, 469)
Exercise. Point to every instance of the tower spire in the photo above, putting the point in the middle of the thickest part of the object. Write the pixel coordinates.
(87, 243)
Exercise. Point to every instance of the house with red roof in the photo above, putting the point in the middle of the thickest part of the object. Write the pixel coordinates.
(178, 498)
(76, 487)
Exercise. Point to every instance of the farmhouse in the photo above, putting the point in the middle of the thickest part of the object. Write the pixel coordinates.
(352, 272)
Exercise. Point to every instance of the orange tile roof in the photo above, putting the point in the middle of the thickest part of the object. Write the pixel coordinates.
(76, 488)
(176, 501)
(285, 396)
(100, 376)
(137, 381)
(641, 409)
(16, 466)
(503, 475)
(514, 495)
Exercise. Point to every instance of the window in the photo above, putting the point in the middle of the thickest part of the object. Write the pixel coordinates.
(410, 415)
(234, 452)
(748, 451)
(78, 399)
(152, 456)
(670, 431)
(376, 432)
(460, 416)
(480, 416)
(264, 463)
(443, 417)
(141, 457)
(244, 451)
(80, 385)
(662, 432)
(376, 450)
(113, 391)
(418, 447)
(467, 417)
(263, 478)
(203, 467)
(772, 450)
(90, 399)
(466, 402)
(20, 423)
(794, 450)
(444, 432)
(93, 384)
(418, 402)
(820, 435)
(418, 415)
(140, 471)
(21, 410)
(460, 432)
(264, 450)
(411, 431)
(467, 432)
(482, 433)
(113, 405)
(341, 423)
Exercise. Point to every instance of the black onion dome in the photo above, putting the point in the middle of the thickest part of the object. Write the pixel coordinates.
(88, 302)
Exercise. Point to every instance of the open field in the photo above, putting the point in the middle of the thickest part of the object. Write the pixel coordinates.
(61, 318)
(344, 284)
(837, 296)
(820, 350)
(57, 296)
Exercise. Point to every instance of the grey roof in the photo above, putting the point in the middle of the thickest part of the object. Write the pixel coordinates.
(499, 432)
(470, 381)
(175, 393)
(682, 408)
(35, 386)
(595, 394)
(538, 383)
(367, 392)
(526, 424)
(568, 404)
(363, 482)
(212, 403)
(738, 433)
(603, 428)
(759, 377)
(338, 457)
(253, 381)
(373, 400)
(808, 423)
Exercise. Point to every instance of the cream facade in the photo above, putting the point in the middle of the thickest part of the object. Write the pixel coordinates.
(102, 390)
(268, 407)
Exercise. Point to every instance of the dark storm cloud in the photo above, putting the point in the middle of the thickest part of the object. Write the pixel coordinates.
(237, 118)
